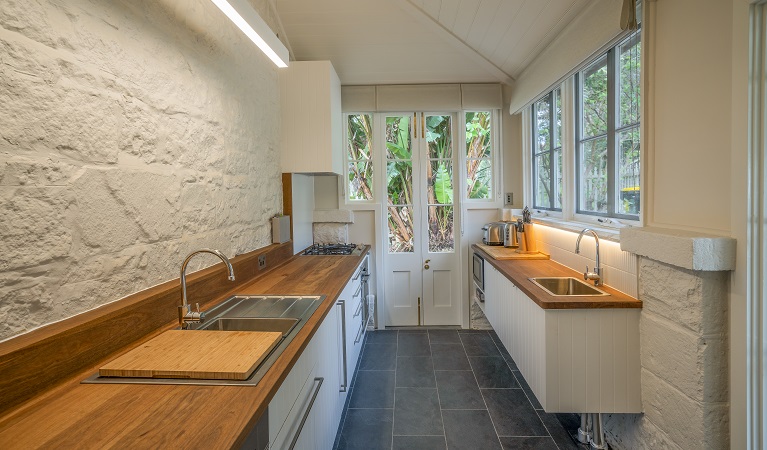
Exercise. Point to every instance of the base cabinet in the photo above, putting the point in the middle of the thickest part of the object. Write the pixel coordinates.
(575, 360)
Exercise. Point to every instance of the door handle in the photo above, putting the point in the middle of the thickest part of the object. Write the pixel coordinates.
(426, 264)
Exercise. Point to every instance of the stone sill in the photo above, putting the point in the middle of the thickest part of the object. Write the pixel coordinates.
(685, 249)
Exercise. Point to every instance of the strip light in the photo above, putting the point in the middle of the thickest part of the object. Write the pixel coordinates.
(248, 21)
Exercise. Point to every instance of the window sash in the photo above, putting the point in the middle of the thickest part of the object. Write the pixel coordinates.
(554, 137)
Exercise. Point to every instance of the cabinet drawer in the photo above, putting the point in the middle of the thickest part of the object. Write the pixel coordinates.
(285, 431)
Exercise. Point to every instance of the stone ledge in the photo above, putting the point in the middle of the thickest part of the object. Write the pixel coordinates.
(686, 249)
(333, 216)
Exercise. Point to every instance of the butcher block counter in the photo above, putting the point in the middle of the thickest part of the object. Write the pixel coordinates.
(75, 415)
(520, 271)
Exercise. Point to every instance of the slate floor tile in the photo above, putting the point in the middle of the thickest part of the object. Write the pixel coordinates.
(526, 387)
(413, 344)
(444, 337)
(512, 413)
(479, 345)
(469, 429)
(415, 371)
(528, 443)
(367, 429)
(419, 443)
(492, 372)
(449, 357)
(381, 337)
(373, 389)
(416, 412)
(458, 390)
(379, 357)
(559, 426)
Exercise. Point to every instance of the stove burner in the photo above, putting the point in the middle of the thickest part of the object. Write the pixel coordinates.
(331, 249)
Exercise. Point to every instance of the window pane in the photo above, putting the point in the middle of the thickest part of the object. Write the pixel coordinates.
(439, 180)
(628, 182)
(557, 118)
(399, 182)
(594, 99)
(593, 185)
(478, 134)
(542, 181)
(360, 136)
(398, 137)
(360, 180)
(542, 123)
(441, 229)
(630, 65)
(478, 177)
(439, 136)
(400, 220)
(558, 179)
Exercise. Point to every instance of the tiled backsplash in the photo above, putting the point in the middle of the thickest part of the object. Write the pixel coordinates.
(619, 268)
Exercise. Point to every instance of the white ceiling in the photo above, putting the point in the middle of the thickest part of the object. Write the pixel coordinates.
(423, 41)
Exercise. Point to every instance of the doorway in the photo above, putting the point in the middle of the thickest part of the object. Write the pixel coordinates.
(422, 267)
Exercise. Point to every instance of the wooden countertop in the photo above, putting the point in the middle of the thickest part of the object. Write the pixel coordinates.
(74, 415)
(518, 272)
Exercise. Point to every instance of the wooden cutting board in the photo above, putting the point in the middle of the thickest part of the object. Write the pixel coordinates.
(500, 252)
(198, 354)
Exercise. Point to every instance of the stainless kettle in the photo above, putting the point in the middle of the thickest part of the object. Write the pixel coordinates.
(511, 238)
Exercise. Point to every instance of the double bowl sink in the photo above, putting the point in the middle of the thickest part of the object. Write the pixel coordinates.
(274, 313)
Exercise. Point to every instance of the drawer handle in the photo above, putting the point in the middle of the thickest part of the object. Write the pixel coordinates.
(319, 381)
(359, 333)
(359, 310)
(357, 276)
(359, 289)
(342, 304)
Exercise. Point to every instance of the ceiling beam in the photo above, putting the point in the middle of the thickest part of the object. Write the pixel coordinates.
(433, 25)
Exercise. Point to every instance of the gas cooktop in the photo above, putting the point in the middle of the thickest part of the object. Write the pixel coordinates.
(334, 249)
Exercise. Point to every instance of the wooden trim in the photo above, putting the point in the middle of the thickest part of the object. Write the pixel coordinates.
(287, 198)
(45, 357)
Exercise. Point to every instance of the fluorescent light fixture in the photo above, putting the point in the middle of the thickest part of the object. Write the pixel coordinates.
(247, 19)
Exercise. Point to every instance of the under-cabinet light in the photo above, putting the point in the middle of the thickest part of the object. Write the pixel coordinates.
(247, 19)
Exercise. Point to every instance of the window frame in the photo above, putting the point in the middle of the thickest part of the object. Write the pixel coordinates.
(551, 151)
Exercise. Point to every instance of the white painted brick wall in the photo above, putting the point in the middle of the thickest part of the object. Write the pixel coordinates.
(131, 133)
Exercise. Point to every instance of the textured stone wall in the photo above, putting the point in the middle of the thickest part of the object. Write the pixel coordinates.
(131, 133)
(684, 357)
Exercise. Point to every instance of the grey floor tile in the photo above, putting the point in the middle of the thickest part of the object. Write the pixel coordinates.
(379, 357)
(494, 336)
(528, 443)
(414, 330)
(526, 387)
(492, 372)
(419, 443)
(479, 345)
(381, 337)
(469, 331)
(413, 344)
(416, 412)
(367, 429)
(507, 356)
(512, 413)
(562, 428)
(373, 389)
(449, 357)
(444, 337)
(458, 390)
(468, 430)
(415, 371)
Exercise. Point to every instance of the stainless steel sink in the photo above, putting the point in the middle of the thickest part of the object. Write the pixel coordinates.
(567, 287)
(283, 325)
(286, 314)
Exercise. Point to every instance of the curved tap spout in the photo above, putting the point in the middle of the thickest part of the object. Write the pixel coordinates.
(185, 314)
(596, 275)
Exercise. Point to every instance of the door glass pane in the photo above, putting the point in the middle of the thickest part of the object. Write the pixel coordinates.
(593, 183)
(400, 220)
(399, 182)
(360, 136)
(441, 239)
(439, 179)
(360, 180)
(628, 170)
(439, 136)
(594, 99)
(398, 133)
(542, 180)
(478, 178)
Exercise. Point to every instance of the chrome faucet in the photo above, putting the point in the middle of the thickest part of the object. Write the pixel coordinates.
(185, 314)
(596, 275)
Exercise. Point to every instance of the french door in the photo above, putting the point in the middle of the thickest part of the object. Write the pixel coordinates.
(422, 281)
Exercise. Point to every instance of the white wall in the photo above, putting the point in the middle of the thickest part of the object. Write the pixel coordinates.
(132, 133)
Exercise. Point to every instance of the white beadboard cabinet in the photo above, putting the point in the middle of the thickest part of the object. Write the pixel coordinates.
(575, 360)
(310, 97)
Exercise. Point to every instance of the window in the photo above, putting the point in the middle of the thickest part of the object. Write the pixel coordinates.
(607, 138)
(547, 152)
(479, 162)
(359, 157)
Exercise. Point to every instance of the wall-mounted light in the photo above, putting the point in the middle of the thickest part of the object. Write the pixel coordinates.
(250, 22)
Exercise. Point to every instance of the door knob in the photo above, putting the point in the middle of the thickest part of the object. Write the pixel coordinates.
(426, 264)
